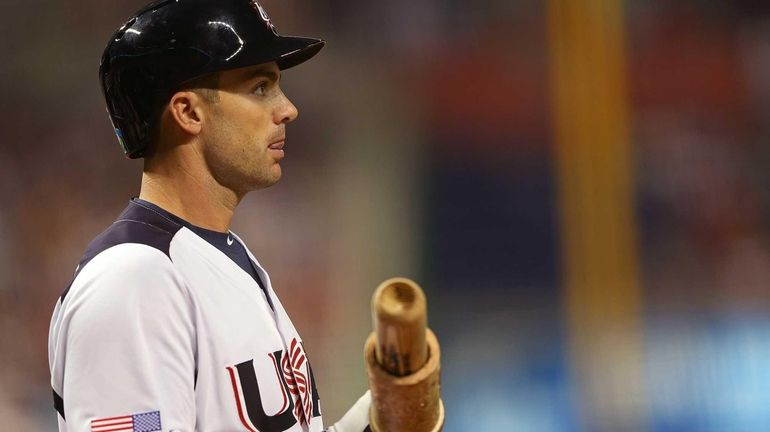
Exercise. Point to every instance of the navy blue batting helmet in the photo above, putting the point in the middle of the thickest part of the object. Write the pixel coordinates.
(170, 42)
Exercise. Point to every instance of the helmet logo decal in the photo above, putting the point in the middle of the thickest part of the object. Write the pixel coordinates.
(229, 27)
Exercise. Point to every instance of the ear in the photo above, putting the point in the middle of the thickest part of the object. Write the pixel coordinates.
(186, 108)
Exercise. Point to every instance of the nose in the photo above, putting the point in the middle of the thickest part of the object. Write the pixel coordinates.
(286, 112)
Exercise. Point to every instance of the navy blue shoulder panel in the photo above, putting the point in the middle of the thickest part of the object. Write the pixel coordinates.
(137, 224)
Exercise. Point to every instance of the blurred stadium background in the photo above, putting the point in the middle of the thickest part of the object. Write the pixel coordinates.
(581, 187)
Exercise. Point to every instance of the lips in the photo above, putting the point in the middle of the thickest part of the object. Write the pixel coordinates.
(277, 145)
(276, 149)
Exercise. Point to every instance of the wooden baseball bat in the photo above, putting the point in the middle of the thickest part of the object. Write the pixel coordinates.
(403, 361)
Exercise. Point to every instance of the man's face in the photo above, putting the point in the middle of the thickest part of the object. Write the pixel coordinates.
(245, 127)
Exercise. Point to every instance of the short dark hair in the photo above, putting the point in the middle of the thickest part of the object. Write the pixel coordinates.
(207, 85)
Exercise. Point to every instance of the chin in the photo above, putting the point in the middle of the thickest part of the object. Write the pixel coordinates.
(267, 180)
(275, 174)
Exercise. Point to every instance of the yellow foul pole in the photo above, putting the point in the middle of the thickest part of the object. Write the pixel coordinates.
(598, 229)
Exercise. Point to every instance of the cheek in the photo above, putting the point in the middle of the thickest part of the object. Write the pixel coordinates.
(240, 133)
(236, 132)
(249, 126)
(225, 148)
(241, 146)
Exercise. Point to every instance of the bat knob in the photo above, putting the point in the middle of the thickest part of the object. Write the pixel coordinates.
(399, 316)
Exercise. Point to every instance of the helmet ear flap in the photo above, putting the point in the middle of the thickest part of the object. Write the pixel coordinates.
(131, 120)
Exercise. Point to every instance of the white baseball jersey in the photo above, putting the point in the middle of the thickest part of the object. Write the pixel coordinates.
(165, 328)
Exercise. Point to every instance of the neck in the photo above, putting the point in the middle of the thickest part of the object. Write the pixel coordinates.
(186, 189)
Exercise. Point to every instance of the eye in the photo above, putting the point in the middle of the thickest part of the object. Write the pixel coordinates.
(261, 88)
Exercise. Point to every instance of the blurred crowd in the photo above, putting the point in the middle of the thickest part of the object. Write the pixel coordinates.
(424, 148)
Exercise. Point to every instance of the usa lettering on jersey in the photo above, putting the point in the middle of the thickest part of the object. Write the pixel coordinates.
(298, 391)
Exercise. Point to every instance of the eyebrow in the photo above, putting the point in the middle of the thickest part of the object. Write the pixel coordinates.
(263, 73)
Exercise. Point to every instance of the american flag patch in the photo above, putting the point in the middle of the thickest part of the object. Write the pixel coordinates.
(145, 422)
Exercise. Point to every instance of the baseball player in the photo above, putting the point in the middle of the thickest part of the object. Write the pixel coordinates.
(170, 323)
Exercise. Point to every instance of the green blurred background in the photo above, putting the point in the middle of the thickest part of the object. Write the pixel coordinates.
(580, 186)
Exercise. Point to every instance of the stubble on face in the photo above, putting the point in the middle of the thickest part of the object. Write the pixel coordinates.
(238, 158)
(239, 130)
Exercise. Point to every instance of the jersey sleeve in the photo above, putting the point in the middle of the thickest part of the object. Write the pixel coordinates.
(124, 345)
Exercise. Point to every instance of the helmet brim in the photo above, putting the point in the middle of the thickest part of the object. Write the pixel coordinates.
(295, 50)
